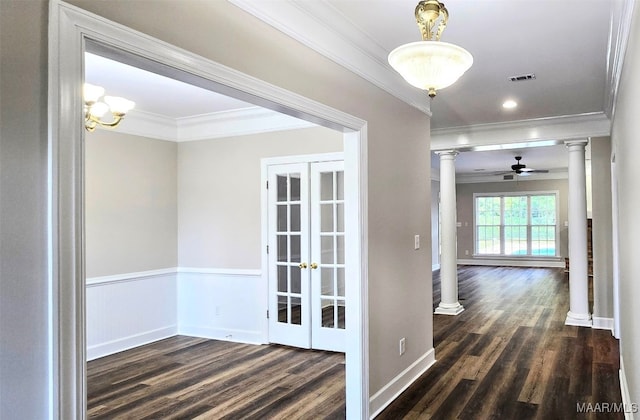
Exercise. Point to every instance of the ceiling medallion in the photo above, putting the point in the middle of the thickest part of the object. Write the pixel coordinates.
(430, 64)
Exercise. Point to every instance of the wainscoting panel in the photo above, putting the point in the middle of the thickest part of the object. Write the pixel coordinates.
(130, 310)
(222, 304)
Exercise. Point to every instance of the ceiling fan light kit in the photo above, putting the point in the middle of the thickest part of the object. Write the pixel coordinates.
(430, 64)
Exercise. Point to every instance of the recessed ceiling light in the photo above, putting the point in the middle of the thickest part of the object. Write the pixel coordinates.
(509, 104)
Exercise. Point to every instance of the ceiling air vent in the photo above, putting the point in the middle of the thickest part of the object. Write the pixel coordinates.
(522, 77)
(508, 177)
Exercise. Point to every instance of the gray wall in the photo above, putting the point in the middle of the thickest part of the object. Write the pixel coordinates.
(219, 193)
(435, 224)
(24, 363)
(624, 136)
(601, 227)
(130, 204)
(464, 197)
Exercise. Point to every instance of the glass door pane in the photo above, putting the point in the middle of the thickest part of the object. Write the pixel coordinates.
(289, 318)
(327, 256)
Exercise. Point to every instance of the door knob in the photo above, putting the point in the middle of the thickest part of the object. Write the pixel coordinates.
(303, 265)
(314, 266)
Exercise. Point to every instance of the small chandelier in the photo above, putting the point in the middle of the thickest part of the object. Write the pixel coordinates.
(94, 108)
(430, 64)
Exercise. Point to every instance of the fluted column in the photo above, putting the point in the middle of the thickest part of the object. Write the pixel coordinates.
(449, 304)
(578, 259)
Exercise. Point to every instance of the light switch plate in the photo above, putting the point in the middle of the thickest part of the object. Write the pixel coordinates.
(416, 242)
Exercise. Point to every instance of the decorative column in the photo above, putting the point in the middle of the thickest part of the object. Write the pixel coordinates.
(578, 259)
(449, 304)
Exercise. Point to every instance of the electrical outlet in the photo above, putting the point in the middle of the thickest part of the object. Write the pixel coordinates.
(217, 311)
(403, 345)
(466, 252)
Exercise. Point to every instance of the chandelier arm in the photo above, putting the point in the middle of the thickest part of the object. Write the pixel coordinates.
(91, 122)
(443, 22)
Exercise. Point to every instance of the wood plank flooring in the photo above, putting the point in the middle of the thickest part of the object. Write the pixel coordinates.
(187, 378)
(510, 356)
(507, 356)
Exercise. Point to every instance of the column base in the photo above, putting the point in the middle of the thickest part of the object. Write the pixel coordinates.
(578, 320)
(449, 309)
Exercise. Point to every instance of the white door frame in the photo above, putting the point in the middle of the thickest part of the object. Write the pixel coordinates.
(69, 29)
(264, 207)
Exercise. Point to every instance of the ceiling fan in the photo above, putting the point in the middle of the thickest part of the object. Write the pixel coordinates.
(521, 169)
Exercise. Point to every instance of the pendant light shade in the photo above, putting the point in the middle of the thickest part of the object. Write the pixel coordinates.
(431, 64)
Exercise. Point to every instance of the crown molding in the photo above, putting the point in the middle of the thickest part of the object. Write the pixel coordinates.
(557, 129)
(321, 27)
(619, 29)
(236, 123)
(239, 122)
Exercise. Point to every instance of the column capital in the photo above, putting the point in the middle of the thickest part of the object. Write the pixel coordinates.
(447, 153)
(576, 143)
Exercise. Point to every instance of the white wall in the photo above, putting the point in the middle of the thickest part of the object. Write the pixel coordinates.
(626, 147)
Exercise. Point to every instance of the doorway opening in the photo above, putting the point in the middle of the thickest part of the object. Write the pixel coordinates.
(71, 32)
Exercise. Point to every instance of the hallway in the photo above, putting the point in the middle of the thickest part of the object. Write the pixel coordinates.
(509, 354)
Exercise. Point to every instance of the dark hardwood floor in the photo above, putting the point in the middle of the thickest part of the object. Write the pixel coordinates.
(507, 356)
(186, 378)
(510, 356)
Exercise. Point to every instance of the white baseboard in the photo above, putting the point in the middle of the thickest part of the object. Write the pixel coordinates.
(238, 336)
(435, 267)
(126, 343)
(624, 390)
(600, 323)
(381, 399)
(513, 262)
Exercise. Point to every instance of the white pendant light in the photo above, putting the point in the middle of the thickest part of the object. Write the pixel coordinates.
(430, 64)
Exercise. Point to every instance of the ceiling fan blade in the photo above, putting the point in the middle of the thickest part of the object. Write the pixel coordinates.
(539, 171)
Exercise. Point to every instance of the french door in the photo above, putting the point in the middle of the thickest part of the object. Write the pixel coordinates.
(306, 255)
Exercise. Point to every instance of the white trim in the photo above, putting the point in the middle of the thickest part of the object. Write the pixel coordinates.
(123, 277)
(619, 29)
(220, 271)
(600, 323)
(126, 343)
(381, 399)
(554, 129)
(324, 29)
(237, 122)
(514, 262)
(118, 278)
(624, 390)
(69, 28)
(236, 336)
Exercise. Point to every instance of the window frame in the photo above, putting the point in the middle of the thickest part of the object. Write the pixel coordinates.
(527, 194)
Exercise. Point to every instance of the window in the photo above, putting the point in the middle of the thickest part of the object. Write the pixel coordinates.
(516, 224)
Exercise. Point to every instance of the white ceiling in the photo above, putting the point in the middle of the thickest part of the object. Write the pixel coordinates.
(565, 43)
